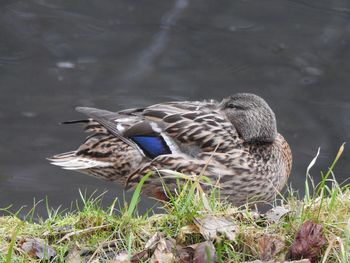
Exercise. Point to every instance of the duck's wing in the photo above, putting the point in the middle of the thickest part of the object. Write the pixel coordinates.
(178, 136)
(168, 128)
(103, 119)
(193, 125)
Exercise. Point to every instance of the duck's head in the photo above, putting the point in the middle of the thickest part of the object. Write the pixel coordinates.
(252, 117)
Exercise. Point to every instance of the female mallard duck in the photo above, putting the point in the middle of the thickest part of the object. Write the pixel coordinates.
(234, 142)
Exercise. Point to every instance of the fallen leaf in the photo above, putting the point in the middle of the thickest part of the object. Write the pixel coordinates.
(140, 257)
(184, 254)
(205, 252)
(308, 242)
(269, 246)
(276, 213)
(212, 227)
(37, 248)
(151, 244)
(164, 252)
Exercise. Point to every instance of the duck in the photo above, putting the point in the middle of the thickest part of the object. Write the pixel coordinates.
(233, 142)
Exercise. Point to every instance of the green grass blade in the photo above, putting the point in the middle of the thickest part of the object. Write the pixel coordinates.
(137, 193)
(12, 243)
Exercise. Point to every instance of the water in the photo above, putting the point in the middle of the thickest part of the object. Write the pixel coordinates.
(57, 54)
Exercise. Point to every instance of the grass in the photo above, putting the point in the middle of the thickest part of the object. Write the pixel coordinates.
(95, 234)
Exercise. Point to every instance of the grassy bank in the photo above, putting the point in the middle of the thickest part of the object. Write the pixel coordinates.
(193, 228)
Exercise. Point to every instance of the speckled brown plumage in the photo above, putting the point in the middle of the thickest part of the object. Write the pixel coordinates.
(236, 140)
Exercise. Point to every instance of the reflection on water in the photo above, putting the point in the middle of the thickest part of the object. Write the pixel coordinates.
(55, 55)
(158, 43)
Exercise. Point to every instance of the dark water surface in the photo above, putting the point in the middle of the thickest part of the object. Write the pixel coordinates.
(114, 54)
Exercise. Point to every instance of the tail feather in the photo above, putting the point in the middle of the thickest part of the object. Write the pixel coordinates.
(70, 161)
(105, 154)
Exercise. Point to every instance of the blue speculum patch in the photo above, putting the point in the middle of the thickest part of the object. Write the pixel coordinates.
(152, 146)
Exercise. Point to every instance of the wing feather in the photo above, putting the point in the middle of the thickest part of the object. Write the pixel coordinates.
(106, 119)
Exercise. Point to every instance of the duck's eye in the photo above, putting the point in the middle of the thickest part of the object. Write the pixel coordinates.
(234, 106)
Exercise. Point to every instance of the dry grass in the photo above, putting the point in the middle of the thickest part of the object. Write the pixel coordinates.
(94, 234)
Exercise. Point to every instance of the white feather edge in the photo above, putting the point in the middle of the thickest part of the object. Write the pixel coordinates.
(78, 163)
(170, 142)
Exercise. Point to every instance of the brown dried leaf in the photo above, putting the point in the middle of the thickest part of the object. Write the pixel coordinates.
(140, 257)
(212, 227)
(184, 254)
(205, 252)
(37, 248)
(269, 246)
(151, 244)
(164, 252)
(308, 242)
